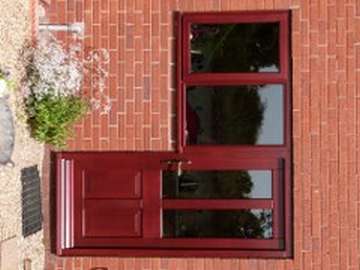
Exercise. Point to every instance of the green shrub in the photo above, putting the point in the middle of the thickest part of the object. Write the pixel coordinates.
(52, 118)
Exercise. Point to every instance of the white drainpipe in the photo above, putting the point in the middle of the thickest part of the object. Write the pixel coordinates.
(77, 28)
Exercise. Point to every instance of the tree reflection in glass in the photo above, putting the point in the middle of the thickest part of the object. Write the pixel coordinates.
(235, 115)
(245, 47)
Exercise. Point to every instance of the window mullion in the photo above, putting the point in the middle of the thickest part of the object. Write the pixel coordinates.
(212, 79)
(217, 204)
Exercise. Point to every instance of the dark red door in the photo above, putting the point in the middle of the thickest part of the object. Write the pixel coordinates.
(160, 203)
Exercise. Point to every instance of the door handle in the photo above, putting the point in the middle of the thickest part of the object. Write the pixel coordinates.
(176, 162)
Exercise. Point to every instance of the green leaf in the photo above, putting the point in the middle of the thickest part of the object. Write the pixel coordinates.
(53, 118)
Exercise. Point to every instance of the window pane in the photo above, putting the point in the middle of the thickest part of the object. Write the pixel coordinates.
(245, 47)
(254, 184)
(254, 223)
(235, 115)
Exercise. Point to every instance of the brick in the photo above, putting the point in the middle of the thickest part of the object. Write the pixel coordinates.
(113, 63)
(164, 12)
(147, 62)
(122, 128)
(155, 75)
(121, 75)
(129, 5)
(138, 126)
(155, 24)
(164, 37)
(164, 115)
(164, 62)
(96, 137)
(147, 84)
(70, 17)
(278, 4)
(129, 36)
(96, 12)
(155, 146)
(121, 6)
(113, 37)
(129, 62)
(96, 36)
(121, 25)
(113, 12)
(87, 127)
(155, 100)
(147, 113)
(130, 118)
(104, 42)
(138, 49)
(155, 44)
(155, 125)
(130, 87)
(104, 122)
(269, 4)
(79, 13)
(130, 138)
(61, 12)
(113, 119)
(331, 24)
(138, 25)
(164, 88)
(146, 12)
(340, 31)
(138, 101)
(295, 21)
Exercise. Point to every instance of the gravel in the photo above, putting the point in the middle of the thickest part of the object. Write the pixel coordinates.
(14, 33)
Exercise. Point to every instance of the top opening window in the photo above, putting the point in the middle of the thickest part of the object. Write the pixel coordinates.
(241, 47)
(251, 46)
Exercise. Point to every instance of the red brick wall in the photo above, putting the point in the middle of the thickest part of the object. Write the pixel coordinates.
(326, 101)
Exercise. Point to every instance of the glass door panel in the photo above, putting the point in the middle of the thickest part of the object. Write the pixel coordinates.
(244, 224)
(218, 184)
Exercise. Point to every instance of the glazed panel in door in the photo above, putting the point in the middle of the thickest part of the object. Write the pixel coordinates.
(221, 200)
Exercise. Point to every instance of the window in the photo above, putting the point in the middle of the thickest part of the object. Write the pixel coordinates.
(235, 98)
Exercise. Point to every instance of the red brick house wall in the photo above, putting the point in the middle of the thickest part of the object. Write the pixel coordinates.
(325, 39)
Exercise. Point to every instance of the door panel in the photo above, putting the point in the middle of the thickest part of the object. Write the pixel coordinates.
(112, 218)
(115, 183)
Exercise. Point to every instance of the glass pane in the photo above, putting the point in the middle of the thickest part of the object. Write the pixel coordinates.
(235, 115)
(245, 47)
(253, 184)
(254, 223)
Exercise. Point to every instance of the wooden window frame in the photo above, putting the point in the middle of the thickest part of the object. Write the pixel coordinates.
(283, 152)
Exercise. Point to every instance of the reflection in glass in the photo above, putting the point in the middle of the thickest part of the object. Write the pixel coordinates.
(245, 47)
(235, 115)
(254, 223)
(253, 184)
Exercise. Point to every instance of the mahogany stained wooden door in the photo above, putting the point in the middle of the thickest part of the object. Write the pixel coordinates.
(161, 203)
